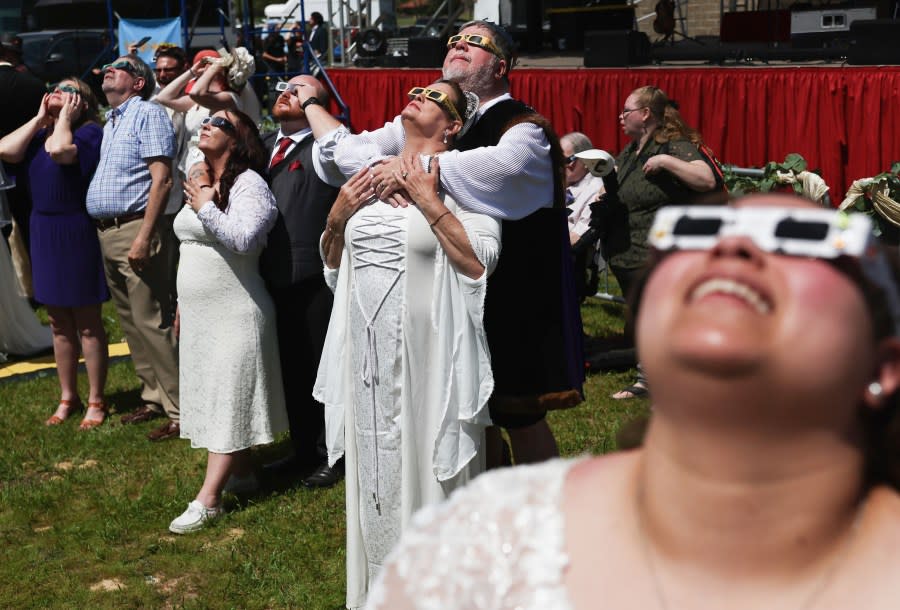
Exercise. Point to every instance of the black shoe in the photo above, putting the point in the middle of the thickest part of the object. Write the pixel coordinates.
(325, 475)
(290, 467)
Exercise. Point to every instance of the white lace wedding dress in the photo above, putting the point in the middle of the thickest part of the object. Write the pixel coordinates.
(497, 544)
(231, 392)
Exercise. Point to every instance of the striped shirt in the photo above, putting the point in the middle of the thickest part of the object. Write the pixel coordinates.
(135, 131)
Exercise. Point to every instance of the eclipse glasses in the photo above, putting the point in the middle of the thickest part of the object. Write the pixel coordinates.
(824, 234)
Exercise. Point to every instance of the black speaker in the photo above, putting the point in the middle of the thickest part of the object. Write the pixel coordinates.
(611, 48)
(874, 42)
(427, 52)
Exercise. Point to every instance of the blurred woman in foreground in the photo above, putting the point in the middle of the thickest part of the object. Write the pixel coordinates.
(768, 475)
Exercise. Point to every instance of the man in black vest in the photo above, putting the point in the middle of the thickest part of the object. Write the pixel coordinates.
(292, 269)
(507, 165)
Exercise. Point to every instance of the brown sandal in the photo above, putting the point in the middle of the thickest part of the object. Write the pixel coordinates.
(89, 424)
(70, 405)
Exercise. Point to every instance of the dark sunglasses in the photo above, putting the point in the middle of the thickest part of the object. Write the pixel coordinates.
(477, 40)
(438, 97)
(217, 121)
(165, 70)
(121, 65)
(63, 89)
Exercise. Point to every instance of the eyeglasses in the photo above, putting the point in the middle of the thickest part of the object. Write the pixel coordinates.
(438, 97)
(217, 121)
(165, 69)
(823, 234)
(127, 66)
(63, 89)
(571, 159)
(625, 111)
(477, 40)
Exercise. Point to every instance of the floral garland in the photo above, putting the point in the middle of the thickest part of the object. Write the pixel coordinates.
(877, 197)
(793, 171)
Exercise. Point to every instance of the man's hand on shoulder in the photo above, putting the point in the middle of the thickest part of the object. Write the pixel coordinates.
(386, 186)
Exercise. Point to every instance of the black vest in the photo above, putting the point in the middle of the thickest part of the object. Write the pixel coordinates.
(531, 314)
(303, 200)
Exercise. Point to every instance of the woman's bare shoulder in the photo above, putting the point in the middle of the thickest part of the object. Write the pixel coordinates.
(607, 470)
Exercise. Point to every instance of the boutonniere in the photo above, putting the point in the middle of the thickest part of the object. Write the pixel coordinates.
(295, 165)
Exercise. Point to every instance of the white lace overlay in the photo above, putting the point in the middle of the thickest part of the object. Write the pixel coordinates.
(230, 376)
(378, 248)
(250, 215)
(497, 544)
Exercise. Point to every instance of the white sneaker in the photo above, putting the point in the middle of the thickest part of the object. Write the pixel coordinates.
(193, 518)
(241, 485)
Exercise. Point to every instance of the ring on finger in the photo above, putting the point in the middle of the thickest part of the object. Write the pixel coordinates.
(404, 175)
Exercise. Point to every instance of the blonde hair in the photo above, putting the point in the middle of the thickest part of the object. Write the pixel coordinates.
(665, 111)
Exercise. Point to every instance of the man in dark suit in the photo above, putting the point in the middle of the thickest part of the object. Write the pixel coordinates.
(292, 268)
(318, 36)
(20, 100)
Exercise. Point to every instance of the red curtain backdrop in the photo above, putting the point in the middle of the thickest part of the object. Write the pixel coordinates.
(843, 120)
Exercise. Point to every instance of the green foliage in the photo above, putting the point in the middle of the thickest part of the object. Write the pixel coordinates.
(742, 185)
(83, 515)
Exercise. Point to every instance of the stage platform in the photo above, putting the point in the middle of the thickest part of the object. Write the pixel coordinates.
(843, 119)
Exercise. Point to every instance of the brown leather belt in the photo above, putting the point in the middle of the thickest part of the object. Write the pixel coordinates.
(103, 224)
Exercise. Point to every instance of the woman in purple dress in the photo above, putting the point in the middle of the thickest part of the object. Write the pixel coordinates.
(61, 147)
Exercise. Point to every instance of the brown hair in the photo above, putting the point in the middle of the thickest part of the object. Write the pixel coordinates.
(459, 101)
(665, 111)
(91, 111)
(247, 152)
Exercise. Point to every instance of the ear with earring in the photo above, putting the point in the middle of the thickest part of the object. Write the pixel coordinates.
(875, 389)
(446, 133)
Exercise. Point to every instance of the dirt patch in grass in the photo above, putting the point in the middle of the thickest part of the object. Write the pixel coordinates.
(108, 584)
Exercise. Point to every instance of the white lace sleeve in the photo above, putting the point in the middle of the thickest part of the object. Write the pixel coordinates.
(510, 180)
(497, 544)
(250, 215)
(356, 151)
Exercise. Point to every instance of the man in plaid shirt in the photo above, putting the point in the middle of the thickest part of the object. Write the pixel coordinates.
(127, 199)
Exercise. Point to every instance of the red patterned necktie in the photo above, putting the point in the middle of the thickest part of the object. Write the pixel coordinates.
(283, 145)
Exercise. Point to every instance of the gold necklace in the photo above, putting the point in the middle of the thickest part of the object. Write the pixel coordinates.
(821, 584)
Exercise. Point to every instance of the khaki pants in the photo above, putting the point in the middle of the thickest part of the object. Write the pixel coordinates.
(146, 306)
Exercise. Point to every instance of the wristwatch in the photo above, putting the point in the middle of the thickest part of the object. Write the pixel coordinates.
(310, 101)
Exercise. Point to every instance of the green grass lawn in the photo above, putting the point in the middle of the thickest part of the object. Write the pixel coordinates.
(84, 515)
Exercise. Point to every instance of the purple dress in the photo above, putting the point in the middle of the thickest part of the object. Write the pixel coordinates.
(67, 266)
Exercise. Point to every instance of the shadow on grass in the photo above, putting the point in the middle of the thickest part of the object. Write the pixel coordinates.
(125, 401)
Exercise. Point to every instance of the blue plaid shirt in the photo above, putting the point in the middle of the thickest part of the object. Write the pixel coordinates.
(134, 132)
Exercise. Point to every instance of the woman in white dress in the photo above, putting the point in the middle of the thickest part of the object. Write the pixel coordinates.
(405, 374)
(231, 397)
(769, 472)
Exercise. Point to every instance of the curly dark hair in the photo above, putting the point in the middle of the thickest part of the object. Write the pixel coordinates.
(247, 152)
(91, 112)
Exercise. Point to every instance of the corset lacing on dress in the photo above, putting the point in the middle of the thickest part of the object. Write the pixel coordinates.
(388, 256)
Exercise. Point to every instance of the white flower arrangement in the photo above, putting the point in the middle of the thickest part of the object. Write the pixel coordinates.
(240, 65)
